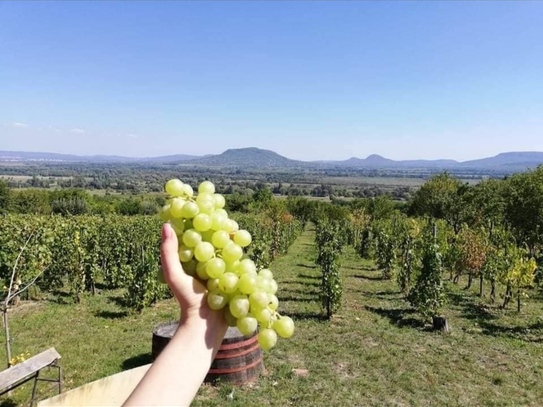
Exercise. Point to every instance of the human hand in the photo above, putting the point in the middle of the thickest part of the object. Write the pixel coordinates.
(188, 355)
(189, 292)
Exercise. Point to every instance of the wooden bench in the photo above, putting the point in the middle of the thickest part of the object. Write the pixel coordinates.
(21, 373)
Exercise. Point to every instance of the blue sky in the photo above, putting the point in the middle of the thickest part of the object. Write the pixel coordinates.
(309, 80)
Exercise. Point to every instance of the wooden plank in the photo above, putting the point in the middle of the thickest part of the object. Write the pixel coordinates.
(28, 368)
(106, 392)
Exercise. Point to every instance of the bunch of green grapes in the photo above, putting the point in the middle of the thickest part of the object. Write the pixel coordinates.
(211, 248)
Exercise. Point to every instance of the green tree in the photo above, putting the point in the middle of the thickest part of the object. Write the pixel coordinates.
(30, 201)
(443, 197)
(129, 206)
(524, 207)
(300, 208)
(262, 198)
(5, 196)
(69, 206)
(488, 203)
(381, 207)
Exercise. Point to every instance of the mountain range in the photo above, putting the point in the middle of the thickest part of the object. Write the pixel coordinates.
(253, 157)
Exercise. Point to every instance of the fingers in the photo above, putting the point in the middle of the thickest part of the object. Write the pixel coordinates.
(188, 291)
(171, 267)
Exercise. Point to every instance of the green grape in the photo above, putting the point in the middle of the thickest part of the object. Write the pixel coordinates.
(189, 267)
(212, 284)
(247, 283)
(216, 300)
(202, 222)
(284, 327)
(233, 267)
(243, 238)
(273, 286)
(187, 190)
(221, 212)
(229, 318)
(266, 273)
(239, 306)
(264, 284)
(165, 214)
(176, 207)
(218, 221)
(232, 252)
(258, 300)
(206, 187)
(174, 187)
(228, 283)
(211, 248)
(273, 302)
(207, 235)
(206, 207)
(247, 325)
(220, 239)
(215, 267)
(204, 251)
(191, 238)
(190, 210)
(204, 197)
(267, 338)
(201, 270)
(178, 226)
(247, 266)
(230, 225)
(263, 315)
(185, 253)
(219, 201)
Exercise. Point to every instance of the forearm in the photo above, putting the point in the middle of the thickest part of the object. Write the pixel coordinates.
(176, 375)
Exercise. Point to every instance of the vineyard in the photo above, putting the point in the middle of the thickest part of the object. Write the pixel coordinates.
(78, 252)
(381, 278)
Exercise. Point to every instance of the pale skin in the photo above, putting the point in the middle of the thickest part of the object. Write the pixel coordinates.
(176, 375)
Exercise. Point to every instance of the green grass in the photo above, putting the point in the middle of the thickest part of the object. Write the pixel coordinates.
(374, 352)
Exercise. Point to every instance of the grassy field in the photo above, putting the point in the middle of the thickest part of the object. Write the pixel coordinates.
(386, 181)
(381, 181)
(374, 352)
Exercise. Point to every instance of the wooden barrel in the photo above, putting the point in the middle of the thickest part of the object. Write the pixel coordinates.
(161, 336)
(238, 361)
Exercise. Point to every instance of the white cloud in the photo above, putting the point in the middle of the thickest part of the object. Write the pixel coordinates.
(21, 125)
(56, 129)
(133, 136)
(77, 131)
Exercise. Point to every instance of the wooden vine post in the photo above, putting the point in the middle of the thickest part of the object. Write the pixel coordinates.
(14, 290)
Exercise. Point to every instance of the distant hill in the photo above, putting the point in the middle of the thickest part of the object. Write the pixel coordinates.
(23, 156)
(515, 159)
(378, 161)
(512, 161)
(172, 158)
(374, 160)
(248, 157)
(253, 157)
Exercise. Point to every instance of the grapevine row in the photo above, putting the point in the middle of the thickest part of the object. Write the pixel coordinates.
(80, 252)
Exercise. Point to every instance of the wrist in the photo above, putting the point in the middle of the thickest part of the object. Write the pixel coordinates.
(206, 321)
